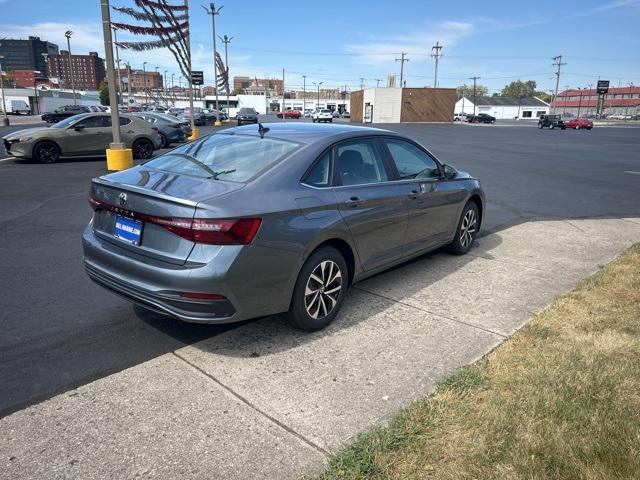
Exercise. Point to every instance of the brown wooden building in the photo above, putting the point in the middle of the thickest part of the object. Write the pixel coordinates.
(395, 105)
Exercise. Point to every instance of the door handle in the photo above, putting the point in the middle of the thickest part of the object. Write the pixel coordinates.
(414, 194)
(354, 202)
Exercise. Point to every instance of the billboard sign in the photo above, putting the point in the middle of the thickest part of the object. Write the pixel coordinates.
(197, 77)
(603, 87)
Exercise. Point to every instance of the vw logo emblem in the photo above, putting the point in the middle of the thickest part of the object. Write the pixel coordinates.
(122, 199)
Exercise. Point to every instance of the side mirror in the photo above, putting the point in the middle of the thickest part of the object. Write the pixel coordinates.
(449, 172)
(78, 127)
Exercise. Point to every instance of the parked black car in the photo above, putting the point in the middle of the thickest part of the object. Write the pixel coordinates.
(64, 112)
(481, 118)
(551, 121)
(247, 115)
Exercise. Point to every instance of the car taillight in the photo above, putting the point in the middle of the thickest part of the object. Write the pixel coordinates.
(211, 232)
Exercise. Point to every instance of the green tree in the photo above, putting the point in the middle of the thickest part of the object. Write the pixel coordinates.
(104, 93)
(544, 96)
(520, 89)
(236, 91)
(481, 91)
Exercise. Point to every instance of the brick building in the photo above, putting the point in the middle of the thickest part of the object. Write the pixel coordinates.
(583, 102)
(88, 70)
(257, 85)
(141, 79)
(28, 78)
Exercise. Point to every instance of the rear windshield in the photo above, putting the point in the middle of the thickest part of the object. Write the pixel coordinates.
(247, 110)
(236, 158)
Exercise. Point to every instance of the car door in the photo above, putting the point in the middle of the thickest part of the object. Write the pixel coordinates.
(373, 206)
(90, 140)
(433, 204)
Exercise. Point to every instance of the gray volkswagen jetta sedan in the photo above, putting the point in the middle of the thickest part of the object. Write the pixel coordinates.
(267, 219)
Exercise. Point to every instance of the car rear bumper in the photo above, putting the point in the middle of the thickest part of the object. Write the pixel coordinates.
(254, 281)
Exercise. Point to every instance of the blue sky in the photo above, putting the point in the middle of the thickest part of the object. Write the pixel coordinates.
(339, 42)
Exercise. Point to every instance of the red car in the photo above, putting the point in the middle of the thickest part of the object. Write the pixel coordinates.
(579, 123)
(290, 114)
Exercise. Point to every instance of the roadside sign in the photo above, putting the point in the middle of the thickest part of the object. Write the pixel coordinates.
(603, 86)
(197, 77)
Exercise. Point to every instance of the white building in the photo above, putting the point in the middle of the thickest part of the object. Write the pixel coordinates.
(504, 107)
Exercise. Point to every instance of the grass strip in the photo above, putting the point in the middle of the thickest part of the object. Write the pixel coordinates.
(558, 400)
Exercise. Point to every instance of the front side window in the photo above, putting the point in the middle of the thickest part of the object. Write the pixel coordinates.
(359, 163)
(236, 158)
(410, 161)
(93, 122)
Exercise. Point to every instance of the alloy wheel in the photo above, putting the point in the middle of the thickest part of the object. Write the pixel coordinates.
(323, 289)
(47, 153)
(468, 228)
(143, 149)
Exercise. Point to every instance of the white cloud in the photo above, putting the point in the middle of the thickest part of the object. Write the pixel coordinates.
(386, 48)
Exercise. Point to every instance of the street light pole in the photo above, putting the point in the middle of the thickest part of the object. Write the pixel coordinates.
(118, 158)
(164, 82)
(213, 12)
(626, 110)
(35, 90)
(68, 34)
(144, 80)
(304, 96)
(318, 101)
(580, 101)
(173, 90)
(5, 118)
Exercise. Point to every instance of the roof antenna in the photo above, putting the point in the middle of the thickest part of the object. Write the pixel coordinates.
(262, 130)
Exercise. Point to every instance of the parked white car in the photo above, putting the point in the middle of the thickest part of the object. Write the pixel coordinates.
(324, 115)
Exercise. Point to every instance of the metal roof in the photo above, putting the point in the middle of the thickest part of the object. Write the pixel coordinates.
(509, 101)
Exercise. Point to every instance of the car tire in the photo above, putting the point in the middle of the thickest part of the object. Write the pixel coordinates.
(164, 143)
(468, 227)
(46, 152)
(331, 121)
(540, 126)
(308, 312)
(239, 124)
(552, 126)
(142, 149)
(589, 128)
(577, 127)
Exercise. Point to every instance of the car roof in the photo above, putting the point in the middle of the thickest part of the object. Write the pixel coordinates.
(306, 132)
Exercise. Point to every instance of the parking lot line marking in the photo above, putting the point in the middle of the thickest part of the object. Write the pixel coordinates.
(631, 172)
(7, 159)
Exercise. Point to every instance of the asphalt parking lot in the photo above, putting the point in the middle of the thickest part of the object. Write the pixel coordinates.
(61, 331)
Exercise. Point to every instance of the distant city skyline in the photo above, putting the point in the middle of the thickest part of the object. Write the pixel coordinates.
(344, 44)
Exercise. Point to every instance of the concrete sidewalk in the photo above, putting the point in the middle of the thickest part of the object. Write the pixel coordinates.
(264, 401)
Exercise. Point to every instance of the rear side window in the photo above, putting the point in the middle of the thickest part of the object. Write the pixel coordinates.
(410, 161)
(236, 158)
(319, 176)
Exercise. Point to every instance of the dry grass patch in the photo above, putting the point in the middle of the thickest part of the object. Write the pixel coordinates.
(559, 400)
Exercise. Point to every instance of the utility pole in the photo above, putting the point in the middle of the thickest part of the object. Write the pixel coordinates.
(283, 119)
(402, 59)
(377, 82)
(173, 90)
(68, 34)
(304, 96)
(115, 42)
(213, 12)
(227, 40)
(626, 110)
(474, 92)
(128, 83)
(361, 83)
(435, 53)
(557, 61)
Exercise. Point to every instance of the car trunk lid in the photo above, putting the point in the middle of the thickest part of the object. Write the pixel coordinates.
(145, 199)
